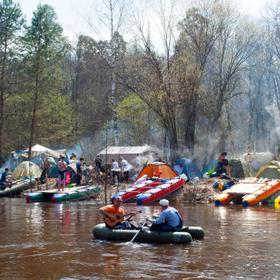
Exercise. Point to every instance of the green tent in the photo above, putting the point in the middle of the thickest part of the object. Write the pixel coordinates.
(26, 169)
(241, 169)
(270, 170)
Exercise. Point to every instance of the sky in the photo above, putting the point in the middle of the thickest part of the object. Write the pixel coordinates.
(73, 14)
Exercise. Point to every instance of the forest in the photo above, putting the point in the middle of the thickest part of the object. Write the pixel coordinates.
(212, 85)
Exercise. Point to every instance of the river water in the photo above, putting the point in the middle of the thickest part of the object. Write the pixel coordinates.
(54, 241)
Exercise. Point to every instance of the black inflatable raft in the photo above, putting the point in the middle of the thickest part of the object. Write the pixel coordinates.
(184, 236)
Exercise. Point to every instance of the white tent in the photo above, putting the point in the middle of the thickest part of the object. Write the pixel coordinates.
(38, 150)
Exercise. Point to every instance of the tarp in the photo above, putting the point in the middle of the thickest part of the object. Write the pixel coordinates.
(241, 169)
(188, 167)
(158, 169)
(270, 170)
(26, 169)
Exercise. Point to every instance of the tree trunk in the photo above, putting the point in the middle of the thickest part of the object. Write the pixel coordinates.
(113, 77)
(190, 123)
(2, 93)
(1, 115)
(36, 94)
(173, 142)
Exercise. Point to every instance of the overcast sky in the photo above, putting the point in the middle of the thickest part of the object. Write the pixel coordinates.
(72, 14)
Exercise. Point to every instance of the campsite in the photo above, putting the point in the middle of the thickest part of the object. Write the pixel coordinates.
(139, 139)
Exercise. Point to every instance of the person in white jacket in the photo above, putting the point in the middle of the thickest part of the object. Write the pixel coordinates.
(124, 169)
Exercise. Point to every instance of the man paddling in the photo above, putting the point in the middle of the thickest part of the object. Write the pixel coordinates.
(114, 215)
(168, 220)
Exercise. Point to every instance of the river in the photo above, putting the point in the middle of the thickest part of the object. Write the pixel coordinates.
(54, 241)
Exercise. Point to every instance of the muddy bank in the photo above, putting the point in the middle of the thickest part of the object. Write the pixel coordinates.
(201, 192)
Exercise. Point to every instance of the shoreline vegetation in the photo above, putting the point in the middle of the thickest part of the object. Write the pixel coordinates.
(208, 84)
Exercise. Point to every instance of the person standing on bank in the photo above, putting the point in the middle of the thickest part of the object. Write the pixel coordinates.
(124, 169)
(115, 171)
(80, 168)
(168, 220)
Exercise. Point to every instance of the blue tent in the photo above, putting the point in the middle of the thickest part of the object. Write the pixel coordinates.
(188, 167)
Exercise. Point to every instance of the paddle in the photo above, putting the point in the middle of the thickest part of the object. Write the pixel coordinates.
(141, 229)
(136, 234)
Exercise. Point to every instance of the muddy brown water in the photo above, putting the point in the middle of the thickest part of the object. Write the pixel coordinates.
(54, 241)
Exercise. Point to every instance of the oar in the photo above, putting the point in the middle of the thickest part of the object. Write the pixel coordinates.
(136, 234)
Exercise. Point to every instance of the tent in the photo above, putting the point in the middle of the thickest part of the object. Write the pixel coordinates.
(257, 160)
(130, 153)
(38, 150)
(188, 167)
(210, 167)
(241, 169)
(270, 170)
(26, 169)
(158, 169)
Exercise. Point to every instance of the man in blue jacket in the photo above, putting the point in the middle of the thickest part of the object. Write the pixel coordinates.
(169, 218)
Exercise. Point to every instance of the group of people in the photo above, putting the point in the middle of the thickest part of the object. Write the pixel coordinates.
(115, 217)
(72, 170)
(119, 170)
(66, 173)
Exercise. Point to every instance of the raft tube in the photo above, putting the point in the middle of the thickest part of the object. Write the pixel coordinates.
(261, 194)
(102, 232)
(79, 194)
(18, 187)
(225, 198)
(40, 196)
(195, 232)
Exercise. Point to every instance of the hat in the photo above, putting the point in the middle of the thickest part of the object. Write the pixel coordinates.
(164, 202)
(116, 198)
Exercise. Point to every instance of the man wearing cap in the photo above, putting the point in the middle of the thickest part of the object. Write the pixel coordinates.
(169, 219)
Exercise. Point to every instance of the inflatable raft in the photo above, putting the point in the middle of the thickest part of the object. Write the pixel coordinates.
(161, 191)
(249, 192)
(132, 191)
(75, 193)
(269, 189)
(184, 236)
(17, 187)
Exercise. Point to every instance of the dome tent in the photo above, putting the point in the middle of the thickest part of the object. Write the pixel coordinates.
(270, 170)
(159, 169)
(241, 169)
(188, 167)
(27, 169)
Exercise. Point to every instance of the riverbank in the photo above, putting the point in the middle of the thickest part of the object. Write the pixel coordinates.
(201, 192)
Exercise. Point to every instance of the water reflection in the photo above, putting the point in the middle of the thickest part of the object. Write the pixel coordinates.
(54, 241)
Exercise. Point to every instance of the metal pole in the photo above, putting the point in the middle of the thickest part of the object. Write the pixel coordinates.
(106, 174)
